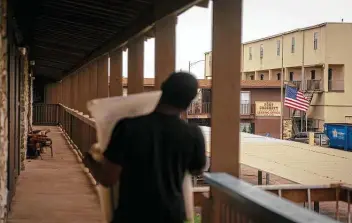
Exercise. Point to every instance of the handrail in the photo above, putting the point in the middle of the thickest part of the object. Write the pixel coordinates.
(259, 205)
(80, 116)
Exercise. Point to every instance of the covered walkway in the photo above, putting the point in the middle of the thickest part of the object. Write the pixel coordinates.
(55, 56)
(55, 190)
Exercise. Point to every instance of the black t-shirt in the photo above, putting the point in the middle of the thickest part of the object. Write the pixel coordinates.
(154, 151)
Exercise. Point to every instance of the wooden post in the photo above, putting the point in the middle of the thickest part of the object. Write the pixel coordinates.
(165, 49)
(93, 80)
(226, 79)
(103, 75)
(116, 73)
(135, 83)
(260, 177)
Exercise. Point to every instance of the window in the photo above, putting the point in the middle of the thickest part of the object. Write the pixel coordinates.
(315, 41)
(291, 76)
(261, 51)
(330, 74)
(245, 97)
(293, 43)
(252, 77)
(262, 77)
(312, 74)
(250, 53)
(278, 76)
(278, 48)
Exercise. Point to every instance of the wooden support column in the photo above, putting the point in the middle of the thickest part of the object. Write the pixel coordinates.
(135, 83)
(103, 75)
(93, 80)
(75, 91)
(64, 89)
(116, 88)
(226, 79)
(69, 93)
(59, 93)
(79, 90)
(86, 90)
(260, 177)
(165, 49)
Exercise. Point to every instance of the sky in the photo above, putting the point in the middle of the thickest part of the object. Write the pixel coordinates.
(261, 18)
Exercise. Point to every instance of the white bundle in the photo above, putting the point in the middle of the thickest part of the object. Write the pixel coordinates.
(106, 113)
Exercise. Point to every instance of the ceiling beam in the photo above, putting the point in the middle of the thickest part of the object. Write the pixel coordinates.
(140, 26)
(95, 8)
(64, 21)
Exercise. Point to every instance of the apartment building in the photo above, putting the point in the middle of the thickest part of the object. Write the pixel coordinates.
(316, 59)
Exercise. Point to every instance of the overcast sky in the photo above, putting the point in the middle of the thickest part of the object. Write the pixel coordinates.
(260, 18)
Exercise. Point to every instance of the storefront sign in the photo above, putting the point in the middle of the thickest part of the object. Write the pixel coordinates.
(267, 108)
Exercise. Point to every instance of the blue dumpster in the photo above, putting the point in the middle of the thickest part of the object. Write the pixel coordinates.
(340, 135)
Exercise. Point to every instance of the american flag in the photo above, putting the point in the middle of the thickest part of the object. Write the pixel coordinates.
(295, 99)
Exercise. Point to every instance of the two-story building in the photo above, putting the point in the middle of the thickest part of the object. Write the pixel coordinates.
(316, 59)
(260, 107)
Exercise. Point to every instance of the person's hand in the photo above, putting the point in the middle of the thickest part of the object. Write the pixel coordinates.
(87, 158)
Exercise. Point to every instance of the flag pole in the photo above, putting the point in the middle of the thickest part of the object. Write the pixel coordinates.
(282, 88)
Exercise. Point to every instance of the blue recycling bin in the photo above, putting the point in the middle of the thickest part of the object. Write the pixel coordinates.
(340, 135)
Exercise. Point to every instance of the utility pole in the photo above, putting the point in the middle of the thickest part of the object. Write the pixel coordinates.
(282, 89)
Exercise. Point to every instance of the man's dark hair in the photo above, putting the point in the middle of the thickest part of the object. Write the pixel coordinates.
(179, 89)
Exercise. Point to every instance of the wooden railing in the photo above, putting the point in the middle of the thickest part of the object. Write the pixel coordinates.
(79, 128)
(232, 200)
(205, 108)
(45, 114)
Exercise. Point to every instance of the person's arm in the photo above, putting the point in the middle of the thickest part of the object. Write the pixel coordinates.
(108, 171)
(198, 160)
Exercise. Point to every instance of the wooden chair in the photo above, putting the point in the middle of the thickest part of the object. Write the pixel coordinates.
(36, 142)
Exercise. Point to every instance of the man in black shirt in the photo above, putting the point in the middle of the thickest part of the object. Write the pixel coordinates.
(149, 156)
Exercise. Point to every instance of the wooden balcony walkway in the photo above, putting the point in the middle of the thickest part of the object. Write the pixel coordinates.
(55, 190)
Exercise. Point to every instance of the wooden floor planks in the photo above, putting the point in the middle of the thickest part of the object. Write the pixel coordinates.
(55, 189)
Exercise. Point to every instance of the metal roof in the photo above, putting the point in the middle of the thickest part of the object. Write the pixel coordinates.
(298, 162)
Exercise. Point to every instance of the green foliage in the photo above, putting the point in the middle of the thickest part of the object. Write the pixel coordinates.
(249, 130)
(197, 219)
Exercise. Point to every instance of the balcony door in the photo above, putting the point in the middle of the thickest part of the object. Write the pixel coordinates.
(245, 103)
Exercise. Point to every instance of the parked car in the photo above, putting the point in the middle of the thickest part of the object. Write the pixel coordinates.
(304, 138)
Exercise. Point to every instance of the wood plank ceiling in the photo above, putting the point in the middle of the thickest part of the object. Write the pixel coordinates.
(62, 33)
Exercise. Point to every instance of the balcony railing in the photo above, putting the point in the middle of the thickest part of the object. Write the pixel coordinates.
(336, 85)
(45, 114)
(297, 84)
(232, 200)
(309, 85)
(238, 201)
(196, 108)
(314, 85)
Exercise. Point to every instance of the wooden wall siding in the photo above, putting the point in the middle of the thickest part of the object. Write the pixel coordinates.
(115, 87)
(93, 80)
(165, 49)
(136, 66)
(103, 87)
